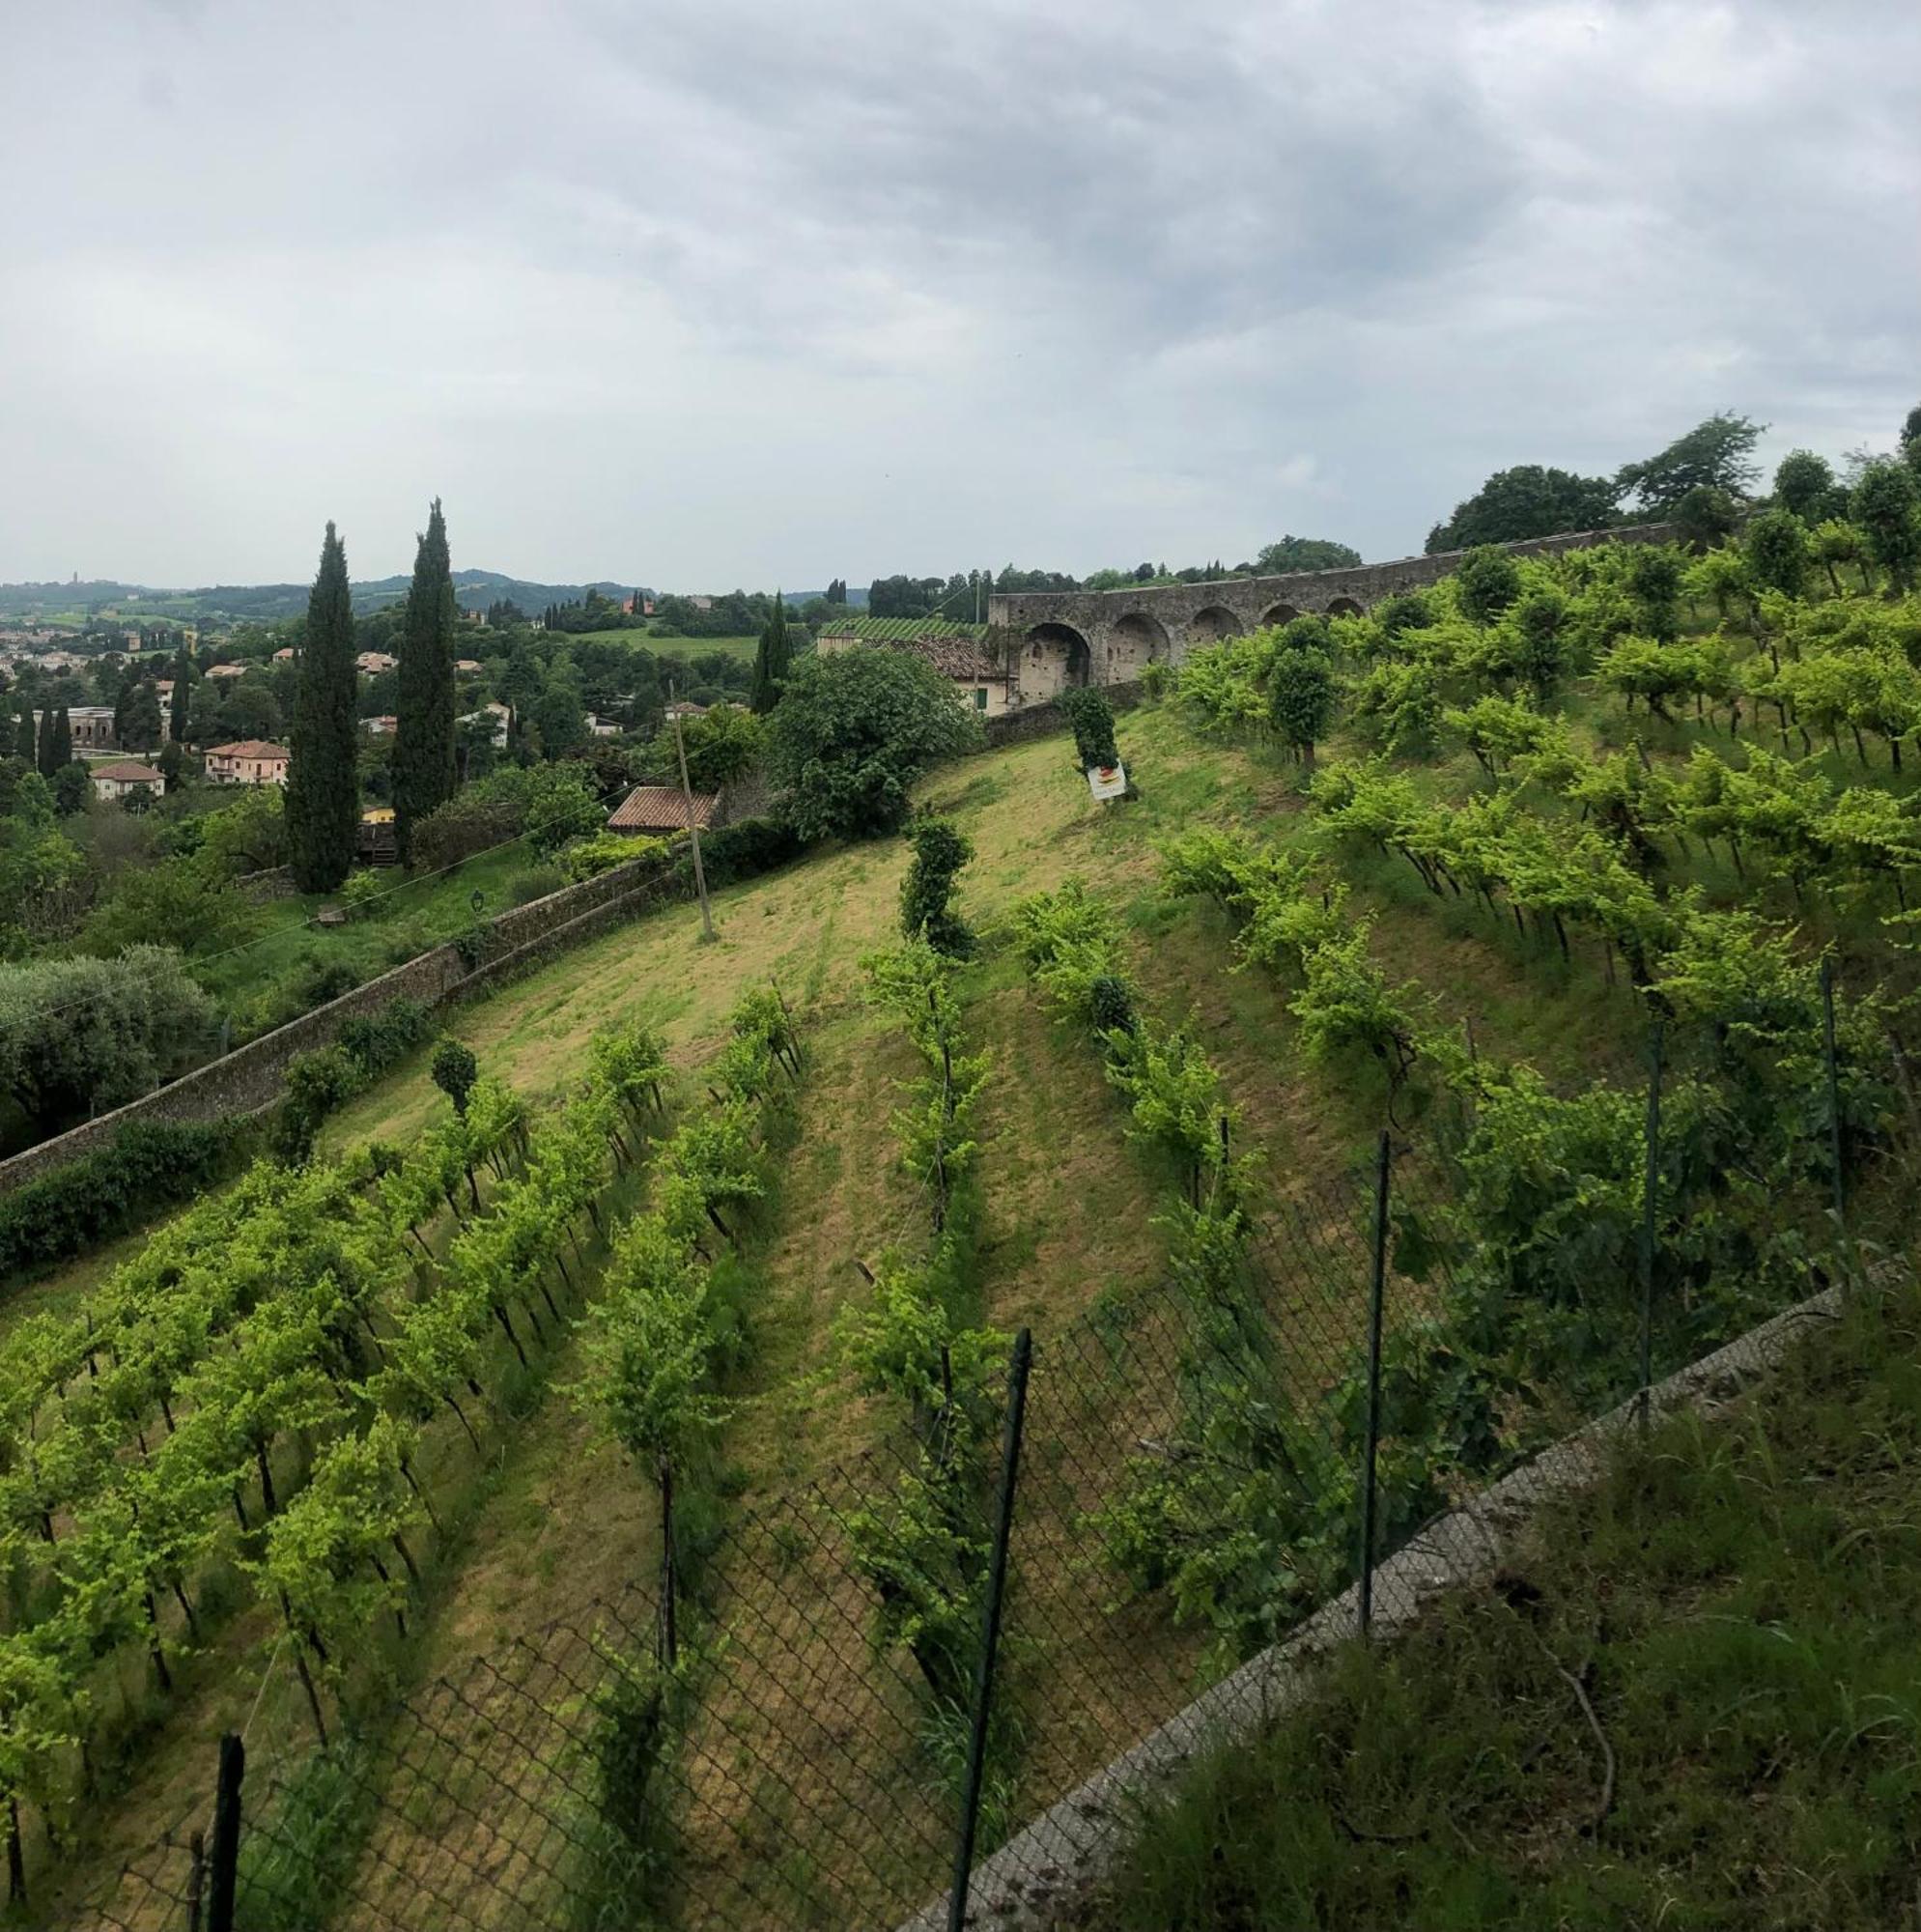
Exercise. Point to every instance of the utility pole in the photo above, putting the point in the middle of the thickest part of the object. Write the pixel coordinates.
(693, 831)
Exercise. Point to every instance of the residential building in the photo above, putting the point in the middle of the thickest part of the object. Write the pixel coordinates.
(249, 761)
(979, 681)
(226, 671)
(663, 810)
(467, 664)
(385, 726)
(603, 728)
(500, 716)
(373, 663)
(284, 656)
(125, 775)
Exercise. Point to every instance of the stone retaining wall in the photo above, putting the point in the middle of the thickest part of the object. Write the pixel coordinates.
(1041, 721)
(1038, 1878)
(251, 1078)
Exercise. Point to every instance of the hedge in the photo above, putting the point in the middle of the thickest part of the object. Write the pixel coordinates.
(148, 1165)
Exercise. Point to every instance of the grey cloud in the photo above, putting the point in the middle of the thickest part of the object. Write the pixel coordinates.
(747, 293)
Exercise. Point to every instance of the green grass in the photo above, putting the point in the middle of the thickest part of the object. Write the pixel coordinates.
(1738, 1600)
(266, 982)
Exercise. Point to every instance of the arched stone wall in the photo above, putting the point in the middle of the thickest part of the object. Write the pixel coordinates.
(1210, 625)
(1054, 658)
(1134, 641)
(1343, 607)
(1278, 613)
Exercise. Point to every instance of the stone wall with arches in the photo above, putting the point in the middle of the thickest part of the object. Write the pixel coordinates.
(1057, 639)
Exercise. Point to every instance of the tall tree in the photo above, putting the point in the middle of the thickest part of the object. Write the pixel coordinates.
(1804, 483)
(182, 694)
(1884, 505)
(772, 661)
(55, 745)
(141, 727)
(1717, 454)
(323, 781)
(423, 750)
(27, 745)
(1527, 501)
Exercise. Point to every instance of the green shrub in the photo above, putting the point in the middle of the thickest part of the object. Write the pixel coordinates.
(588, 858)
(147, 1166)
(1091, 717)
(537, 882)
(743, 850)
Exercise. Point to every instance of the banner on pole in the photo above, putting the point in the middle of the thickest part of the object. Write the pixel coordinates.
(1107, 780)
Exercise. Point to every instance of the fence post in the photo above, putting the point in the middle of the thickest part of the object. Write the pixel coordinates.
(226, 1858)
(990, 1634)
(1649, 1175)
(669, 1578)
(1833, 1096)
(196, 1880)
(1377, 1300)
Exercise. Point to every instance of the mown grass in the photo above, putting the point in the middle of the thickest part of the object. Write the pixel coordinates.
(1738, 1600)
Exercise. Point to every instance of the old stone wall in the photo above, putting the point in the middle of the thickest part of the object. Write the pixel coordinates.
(1104, 636)
(252, 1076)
(1041, 721)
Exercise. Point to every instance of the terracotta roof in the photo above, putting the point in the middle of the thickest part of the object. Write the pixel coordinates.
(660, 808)
(249, 748)
(127, 772)
(952, 657)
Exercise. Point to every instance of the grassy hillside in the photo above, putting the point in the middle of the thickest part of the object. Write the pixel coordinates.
(1735, 1603)
(1074, 1204)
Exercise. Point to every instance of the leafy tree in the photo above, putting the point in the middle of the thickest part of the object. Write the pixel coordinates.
(560, 714)
(183, 902)
(939, 851)
(724, 743)
(183, 693)
(1653, 581)
(1717, 454)
(87, 1034)
(72, 789)
(1884, 507)
(455, 1070)
(1091, 717)
(423, 757)
(1704, 518)
(853, 733)
(772, 661)
(1804, 485)
(1486, 582)
(1526, 501)
(142, 728)
(1292, 553)
(1406, 611)
(1300, 697)
(1777, 543)
(322, 779)
(1835, 542)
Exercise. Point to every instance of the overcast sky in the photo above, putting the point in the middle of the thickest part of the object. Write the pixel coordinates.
(741, 292)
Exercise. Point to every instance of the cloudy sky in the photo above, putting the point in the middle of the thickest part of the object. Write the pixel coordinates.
(739, 291)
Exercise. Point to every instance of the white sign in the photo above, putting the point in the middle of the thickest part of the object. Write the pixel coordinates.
(1107, 780)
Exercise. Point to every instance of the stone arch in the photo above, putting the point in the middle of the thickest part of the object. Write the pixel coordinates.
(1134, 641)
(1343, 607)
(1278, 613)
(1211, 625)
(1054, 658)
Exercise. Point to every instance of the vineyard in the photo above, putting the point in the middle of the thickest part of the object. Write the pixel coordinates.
(679, 1306)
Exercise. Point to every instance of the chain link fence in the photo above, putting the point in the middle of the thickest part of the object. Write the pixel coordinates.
(801, 1728)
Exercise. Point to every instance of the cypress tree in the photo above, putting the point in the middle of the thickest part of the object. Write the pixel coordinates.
(423, 751)
(182, 679)
(63, 739)
(322, 781)
(772, 661)
(25, 745)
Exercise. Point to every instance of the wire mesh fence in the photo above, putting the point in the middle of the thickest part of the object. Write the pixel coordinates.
(785, 1728)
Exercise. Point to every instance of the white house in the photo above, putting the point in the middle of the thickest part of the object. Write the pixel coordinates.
(123, 776)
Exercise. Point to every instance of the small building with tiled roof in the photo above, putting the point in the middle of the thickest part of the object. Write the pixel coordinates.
(127, 775)
(663, 810)
(248, 761)
(957, 652)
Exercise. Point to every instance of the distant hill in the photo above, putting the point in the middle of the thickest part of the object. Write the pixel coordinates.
(262, 602)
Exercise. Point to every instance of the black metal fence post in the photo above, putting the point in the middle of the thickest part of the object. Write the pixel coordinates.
(669, 1571)
(1649, 1181)
(1376, 1302)
(990, 1634)
(226, 1859)
(1833, 1096)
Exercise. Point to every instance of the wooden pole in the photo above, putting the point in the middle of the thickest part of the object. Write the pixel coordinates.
(693, 831)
